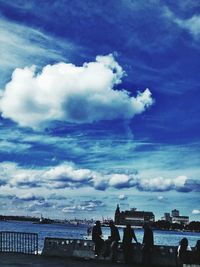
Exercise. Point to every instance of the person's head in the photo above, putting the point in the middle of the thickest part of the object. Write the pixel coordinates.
(197, 247)
(111, 223)
(146, 225)
(184, 243)
(128, 226)
(98, 223)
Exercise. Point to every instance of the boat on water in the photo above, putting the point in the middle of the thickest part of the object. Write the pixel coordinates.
(43, 220)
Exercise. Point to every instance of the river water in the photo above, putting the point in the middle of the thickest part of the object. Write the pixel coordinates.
(80, 232)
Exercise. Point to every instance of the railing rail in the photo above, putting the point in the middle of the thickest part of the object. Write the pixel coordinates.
(19, 242)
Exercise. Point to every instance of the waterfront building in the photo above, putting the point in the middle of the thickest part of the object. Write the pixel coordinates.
(180, 219)
(176, 217)
(167, 217)
(175, 213)
(133, 217)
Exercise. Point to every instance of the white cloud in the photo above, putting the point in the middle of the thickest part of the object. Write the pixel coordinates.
(122, 180)
(90, 205)
(162, 184)
(24, 178)
(180, 181)
(27, 196)
(122, 197)
(40, 205)
(19, 43)
(68, 175)
(7, 146)
(70, 93)
(196, 212)
(192, 25)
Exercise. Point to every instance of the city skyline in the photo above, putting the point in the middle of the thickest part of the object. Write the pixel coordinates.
(99, 106)
(167, 216)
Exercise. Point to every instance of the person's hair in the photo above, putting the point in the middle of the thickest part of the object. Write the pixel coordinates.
(197, 247)
(146, 225)
(184, 243)
(111, 223)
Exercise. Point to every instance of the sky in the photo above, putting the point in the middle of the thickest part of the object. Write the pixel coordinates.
(99, 106)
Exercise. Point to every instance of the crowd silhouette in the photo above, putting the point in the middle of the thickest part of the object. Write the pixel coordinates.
(109, 247)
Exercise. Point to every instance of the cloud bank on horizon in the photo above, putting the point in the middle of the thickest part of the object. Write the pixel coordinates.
(67, 175)
(70, 93)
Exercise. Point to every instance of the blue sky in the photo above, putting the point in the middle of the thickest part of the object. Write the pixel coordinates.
(99, 106)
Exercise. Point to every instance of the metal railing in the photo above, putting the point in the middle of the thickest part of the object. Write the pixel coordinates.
(18, 242)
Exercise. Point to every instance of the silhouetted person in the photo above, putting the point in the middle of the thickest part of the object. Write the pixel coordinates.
(89, 230)
(128, 236)
(114, 238)
(184, 252)
(97, 238)
(196, 258)
(148, 243)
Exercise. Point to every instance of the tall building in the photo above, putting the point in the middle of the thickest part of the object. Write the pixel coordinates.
(117, 215)
(133, 217)
(167, 217)
(175, 213)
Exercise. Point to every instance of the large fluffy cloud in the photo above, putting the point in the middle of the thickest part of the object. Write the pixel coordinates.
(70, 93)
(65, 175)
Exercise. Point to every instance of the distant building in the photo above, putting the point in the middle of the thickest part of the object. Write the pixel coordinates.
(175, 213)
(133, 216)
(180, 219)
(175, 217)
(167, 217)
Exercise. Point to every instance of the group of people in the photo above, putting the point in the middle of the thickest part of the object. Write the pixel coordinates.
(110, 246)
(185, 255)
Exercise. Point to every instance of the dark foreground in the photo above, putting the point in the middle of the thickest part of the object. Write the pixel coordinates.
(20, 260)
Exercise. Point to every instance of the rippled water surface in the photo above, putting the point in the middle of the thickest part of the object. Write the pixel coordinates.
(72, 231)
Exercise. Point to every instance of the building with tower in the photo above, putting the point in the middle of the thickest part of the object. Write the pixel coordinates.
(133, 217)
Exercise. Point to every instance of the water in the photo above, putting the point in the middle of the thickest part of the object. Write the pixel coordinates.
(79, 232)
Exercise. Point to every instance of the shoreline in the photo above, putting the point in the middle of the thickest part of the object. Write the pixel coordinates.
(67, 224)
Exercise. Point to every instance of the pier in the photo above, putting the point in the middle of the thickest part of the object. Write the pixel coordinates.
(19, 260)
(83, 249)
(21, 249)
